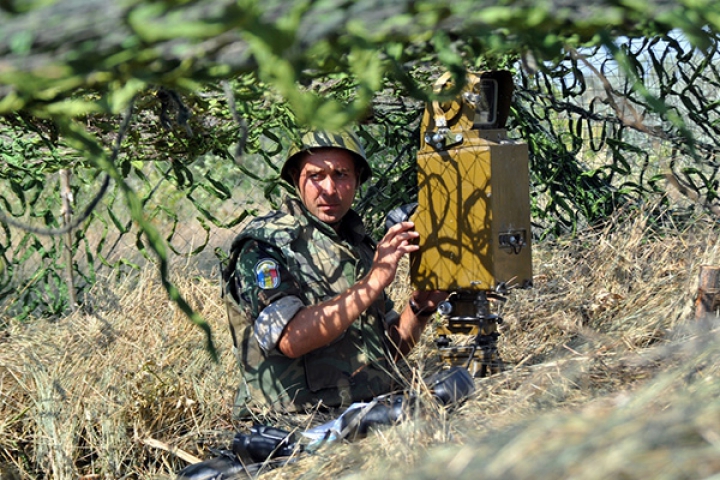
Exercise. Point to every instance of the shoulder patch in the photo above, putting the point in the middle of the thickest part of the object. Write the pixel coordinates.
(267, 274)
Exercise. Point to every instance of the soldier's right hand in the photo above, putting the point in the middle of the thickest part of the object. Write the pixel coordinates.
(398, 241)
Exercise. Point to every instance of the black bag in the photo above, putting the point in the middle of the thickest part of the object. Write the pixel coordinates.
(452, 385)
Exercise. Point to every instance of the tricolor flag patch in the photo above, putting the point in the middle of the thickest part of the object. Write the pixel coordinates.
(267, 274)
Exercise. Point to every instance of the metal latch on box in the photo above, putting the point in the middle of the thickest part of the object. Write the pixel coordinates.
(513, 240)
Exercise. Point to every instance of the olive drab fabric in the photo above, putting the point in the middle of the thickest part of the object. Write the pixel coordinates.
(312, 262)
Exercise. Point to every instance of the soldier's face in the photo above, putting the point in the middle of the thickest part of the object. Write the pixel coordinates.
(327, 182)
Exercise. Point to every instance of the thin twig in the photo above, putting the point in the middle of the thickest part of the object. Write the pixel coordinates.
(67, 198)
(151, 442)
(637, 120)
(242, 124)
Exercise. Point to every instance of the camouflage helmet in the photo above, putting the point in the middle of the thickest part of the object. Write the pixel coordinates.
(343, 139)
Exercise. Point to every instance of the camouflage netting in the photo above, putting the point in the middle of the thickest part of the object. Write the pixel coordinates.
(175, 122)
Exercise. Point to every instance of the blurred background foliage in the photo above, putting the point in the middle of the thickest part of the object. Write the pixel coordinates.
(186, 107)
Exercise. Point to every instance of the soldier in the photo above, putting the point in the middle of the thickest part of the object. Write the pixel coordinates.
(305, 290)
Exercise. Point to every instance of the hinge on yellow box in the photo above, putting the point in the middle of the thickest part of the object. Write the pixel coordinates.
(439, 140)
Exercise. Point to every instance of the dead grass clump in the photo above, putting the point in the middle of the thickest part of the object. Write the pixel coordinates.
(620, 288)
(86, 394)
(667, 427)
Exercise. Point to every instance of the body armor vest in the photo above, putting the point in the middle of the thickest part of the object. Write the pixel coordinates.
(352, 368)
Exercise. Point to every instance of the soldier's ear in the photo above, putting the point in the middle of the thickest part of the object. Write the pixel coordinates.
(296, 167)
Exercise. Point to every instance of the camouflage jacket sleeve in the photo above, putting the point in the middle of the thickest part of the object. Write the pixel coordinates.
(267, 291)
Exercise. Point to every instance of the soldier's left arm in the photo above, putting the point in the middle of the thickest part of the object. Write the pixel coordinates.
(414, 318)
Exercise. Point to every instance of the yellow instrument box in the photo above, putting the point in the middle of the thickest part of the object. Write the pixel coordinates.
(473, 211)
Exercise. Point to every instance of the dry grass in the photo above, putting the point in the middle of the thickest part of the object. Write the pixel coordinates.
(609, 377)
(83, 394)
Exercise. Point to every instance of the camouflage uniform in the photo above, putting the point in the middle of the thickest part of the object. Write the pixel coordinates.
(280, 263)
